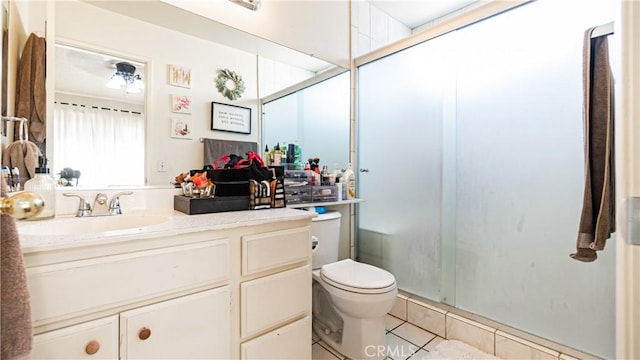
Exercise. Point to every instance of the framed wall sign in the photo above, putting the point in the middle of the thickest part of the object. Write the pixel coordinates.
(230, 118)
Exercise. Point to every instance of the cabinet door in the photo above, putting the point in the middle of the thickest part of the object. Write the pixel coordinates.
(96, 339)
(196, 326)
(273, 300)
(288, 342)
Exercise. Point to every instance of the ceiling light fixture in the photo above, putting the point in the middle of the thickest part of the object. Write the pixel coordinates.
(126, 77)
(249, 4)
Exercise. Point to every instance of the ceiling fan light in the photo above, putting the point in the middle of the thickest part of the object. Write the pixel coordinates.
(138, 82)
(132, 89)
(116, 82)
(125, 77)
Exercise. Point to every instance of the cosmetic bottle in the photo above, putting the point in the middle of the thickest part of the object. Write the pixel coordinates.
(44, 185)
(349, 183)
(266, 158)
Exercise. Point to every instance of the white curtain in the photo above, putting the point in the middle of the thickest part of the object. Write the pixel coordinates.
(106, 146)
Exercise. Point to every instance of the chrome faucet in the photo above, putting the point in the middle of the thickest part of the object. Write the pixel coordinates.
(100, 206)
(114, 203)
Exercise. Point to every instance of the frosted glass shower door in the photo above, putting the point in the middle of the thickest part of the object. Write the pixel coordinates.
(520, 173)
(403, 100)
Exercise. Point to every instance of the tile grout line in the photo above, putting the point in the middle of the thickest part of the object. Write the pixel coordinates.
(409, 341)
(331, 351)
(435, 336)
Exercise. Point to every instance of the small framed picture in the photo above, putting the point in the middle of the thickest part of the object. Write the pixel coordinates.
(181, 128)
(181, 104)
(179, 76)
(230, 118)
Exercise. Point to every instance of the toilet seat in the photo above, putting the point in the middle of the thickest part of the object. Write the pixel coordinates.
(357, 277)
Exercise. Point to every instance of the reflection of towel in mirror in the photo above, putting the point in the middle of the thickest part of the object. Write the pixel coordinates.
(215, 148)
(15, 314)
(23, 155)
(30, 88)
(597, 220)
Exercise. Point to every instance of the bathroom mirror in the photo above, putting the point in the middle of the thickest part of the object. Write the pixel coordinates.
(82, 25)
(98, 117)
(314, 115)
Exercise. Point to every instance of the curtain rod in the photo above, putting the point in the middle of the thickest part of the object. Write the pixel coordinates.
(97, 107)
(602, 30)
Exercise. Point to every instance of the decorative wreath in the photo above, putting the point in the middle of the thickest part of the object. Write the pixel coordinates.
(229, 84)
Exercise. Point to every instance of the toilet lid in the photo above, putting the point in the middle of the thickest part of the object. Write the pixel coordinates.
(358, 277)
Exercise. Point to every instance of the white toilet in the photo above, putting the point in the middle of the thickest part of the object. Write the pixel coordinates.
(350, 299)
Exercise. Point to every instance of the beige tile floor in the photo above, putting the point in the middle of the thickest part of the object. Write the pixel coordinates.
(404, 341)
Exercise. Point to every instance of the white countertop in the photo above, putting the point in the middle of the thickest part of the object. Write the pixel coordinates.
(176, 223)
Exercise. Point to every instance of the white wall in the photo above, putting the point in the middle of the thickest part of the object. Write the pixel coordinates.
(371, 28)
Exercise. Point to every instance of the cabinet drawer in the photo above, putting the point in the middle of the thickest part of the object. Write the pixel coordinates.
(271, 250)
(288, 342)
(273, 300)
(196, 326)
(96, 339)
(74, 288)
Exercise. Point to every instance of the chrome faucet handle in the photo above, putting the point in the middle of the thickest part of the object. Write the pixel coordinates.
(84, 209)
(114, 203)
(101, 198)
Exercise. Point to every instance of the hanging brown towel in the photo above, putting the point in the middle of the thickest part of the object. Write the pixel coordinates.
(23, 155)
(30, 88)
(15, 309)
(597, 221)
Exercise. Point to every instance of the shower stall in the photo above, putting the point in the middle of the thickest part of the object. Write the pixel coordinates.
(473, 142)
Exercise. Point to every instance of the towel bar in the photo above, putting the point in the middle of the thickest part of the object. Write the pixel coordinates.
(13, 118)
(603, 30)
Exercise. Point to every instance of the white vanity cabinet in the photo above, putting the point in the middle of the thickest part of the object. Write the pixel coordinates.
(238, 291)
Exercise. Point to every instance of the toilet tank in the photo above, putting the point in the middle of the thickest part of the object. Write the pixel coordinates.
(325, 238)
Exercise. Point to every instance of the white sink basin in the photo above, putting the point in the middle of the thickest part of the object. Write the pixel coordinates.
(84, 225)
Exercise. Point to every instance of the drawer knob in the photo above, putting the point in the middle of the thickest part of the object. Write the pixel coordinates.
(92, 347)
(144, 333)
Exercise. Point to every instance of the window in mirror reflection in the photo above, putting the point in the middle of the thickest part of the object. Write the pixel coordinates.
(106, 145)
(316, 117)
(98, 130)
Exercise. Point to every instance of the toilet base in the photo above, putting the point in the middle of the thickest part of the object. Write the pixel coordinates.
(358, 339)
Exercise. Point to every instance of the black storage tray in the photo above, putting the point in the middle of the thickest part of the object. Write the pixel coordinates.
(229, 182)
(233, 182)
(193, 206)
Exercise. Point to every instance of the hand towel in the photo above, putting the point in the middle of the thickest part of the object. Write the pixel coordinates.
(15, 309)
(597, 220)
(30, 88)
(23, 155)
